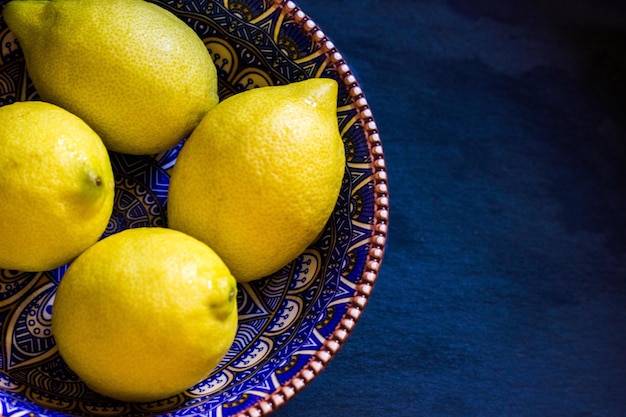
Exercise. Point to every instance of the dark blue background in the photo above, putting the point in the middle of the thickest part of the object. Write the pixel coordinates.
(503, 288)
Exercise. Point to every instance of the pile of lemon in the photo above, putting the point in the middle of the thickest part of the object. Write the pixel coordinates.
(146, 313)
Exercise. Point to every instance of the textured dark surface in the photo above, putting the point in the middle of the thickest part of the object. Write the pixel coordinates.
(503, 289)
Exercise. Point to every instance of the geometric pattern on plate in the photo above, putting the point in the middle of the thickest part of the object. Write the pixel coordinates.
(292, 322)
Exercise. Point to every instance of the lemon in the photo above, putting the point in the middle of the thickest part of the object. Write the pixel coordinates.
(145, 314)
(259, 177)
(137, 74)
(56, 183)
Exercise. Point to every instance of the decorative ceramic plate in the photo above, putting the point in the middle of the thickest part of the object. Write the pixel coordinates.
(291, 323)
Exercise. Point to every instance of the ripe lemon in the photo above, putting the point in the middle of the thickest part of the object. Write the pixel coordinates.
(56, 183)
(259, 177)
(137, 74)
(145, 314)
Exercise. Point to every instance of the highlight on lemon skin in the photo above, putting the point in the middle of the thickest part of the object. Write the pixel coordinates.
(57, 186)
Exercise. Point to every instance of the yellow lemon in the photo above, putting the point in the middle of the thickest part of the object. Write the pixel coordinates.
(145, 314)
(137, 74)
(56, 183)
(259, 177)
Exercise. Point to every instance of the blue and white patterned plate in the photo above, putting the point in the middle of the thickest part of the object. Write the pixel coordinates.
(291, 323)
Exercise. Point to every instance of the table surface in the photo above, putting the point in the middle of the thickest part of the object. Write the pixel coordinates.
(503, 287)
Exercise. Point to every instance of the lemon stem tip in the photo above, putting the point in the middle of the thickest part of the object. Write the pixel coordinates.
(95, 178)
